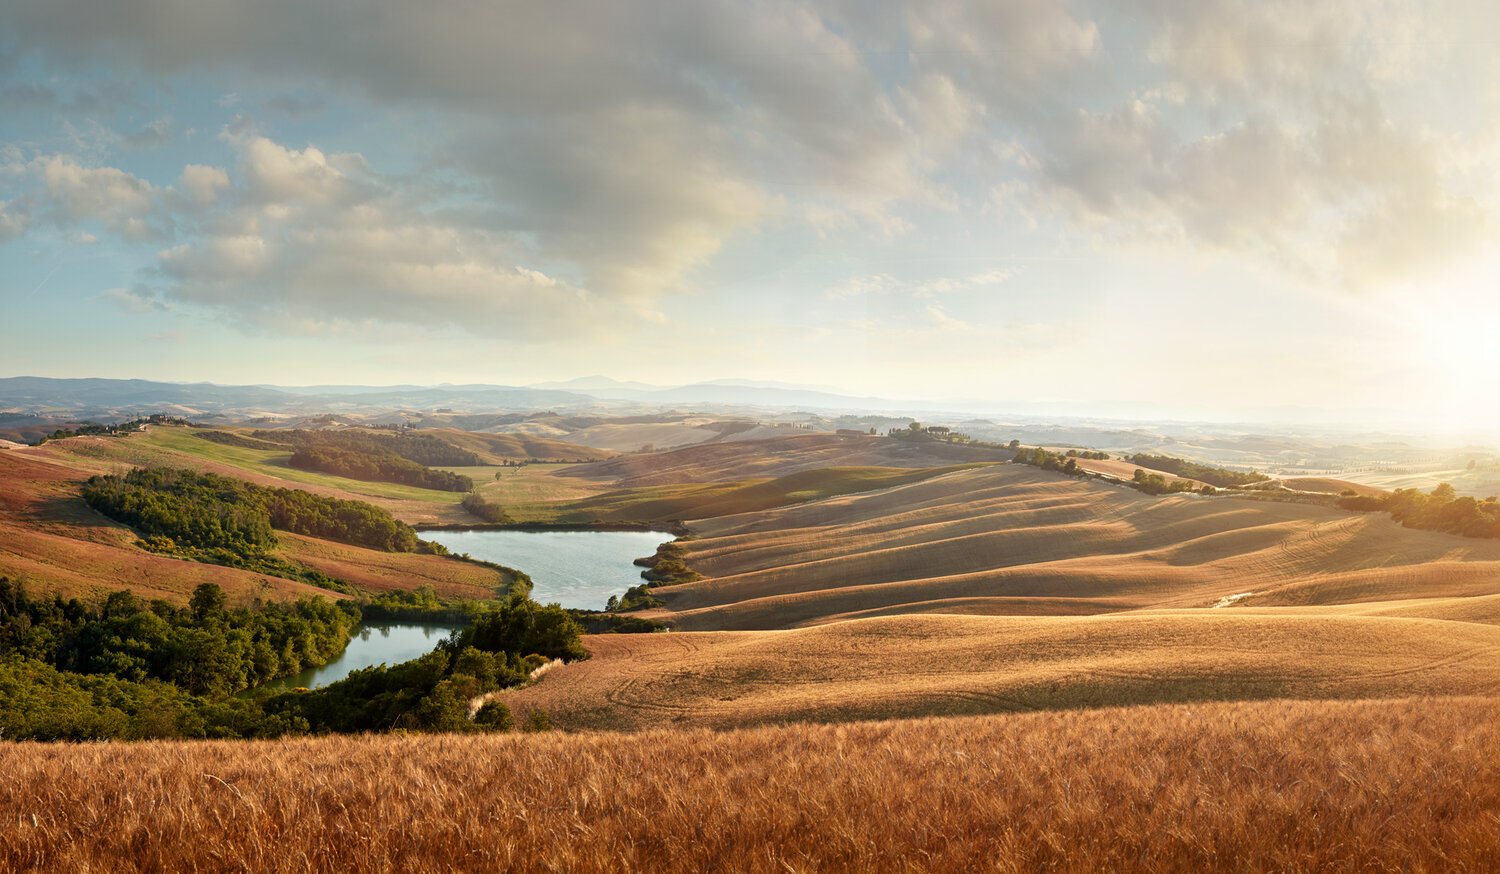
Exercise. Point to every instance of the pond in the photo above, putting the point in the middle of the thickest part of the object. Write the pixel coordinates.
(578, 569)
(371, 645)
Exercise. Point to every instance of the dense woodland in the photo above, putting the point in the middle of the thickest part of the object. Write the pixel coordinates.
(226, 521)
(1440, 510)
(1214, 476)
(128, 668)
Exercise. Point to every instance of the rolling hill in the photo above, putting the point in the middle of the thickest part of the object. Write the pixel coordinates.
(1015, 540)
(51, 539)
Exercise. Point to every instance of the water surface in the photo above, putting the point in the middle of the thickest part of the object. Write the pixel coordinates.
(578, 569)
(371, 645)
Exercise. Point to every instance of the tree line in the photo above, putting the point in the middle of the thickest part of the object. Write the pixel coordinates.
(422, 449)
(128, 668)
(380, 467)
(96, 429)
(217, 519)
(1214, 476)
(1440, 510)
(125, 667)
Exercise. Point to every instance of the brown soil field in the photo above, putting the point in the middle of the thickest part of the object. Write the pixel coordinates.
(1010, 539)
(912, 666)
(1404, 785)
(748, 459)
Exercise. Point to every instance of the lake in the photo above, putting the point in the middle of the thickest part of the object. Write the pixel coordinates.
(579, 569)
(370, 646)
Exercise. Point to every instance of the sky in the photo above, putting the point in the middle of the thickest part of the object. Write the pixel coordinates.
(1247, 209)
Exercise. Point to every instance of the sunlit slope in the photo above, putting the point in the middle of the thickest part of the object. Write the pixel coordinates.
(175, 446)
(718, 462)
(943, 665)
(1014, 540)
(497, 448)
(666, 503)
(53, 541)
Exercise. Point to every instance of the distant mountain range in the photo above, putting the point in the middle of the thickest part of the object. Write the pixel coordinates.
(104, 397)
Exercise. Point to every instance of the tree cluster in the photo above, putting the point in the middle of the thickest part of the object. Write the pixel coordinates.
(423, 449)
(433, 693)
(95, 429)
(1039, 457)
(1440, 510)
(219, 519)
(1156, 484)
(1214, 476)
(488, 511)
(379, 467)
(129, 668)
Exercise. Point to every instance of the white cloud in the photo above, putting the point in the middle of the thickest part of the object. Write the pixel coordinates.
(125, 204)
(14, 220)
(137, 300)
(316, 240)
(885, 284)
(203, 184)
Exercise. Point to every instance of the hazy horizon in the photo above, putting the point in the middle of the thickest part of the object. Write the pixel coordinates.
(1216, 210)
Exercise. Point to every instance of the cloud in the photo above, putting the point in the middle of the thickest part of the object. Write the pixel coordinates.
(153, 136)
(137, 300)
(202, 184)
(14, 220)
(123, 203)
(320, 240)
(623, 150)
(885, 284)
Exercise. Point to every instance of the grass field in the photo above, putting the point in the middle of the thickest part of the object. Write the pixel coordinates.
(273, 464)
(1409, 785)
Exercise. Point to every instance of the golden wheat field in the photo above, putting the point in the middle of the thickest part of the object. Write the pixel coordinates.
(1409, 785)
(914, 666)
